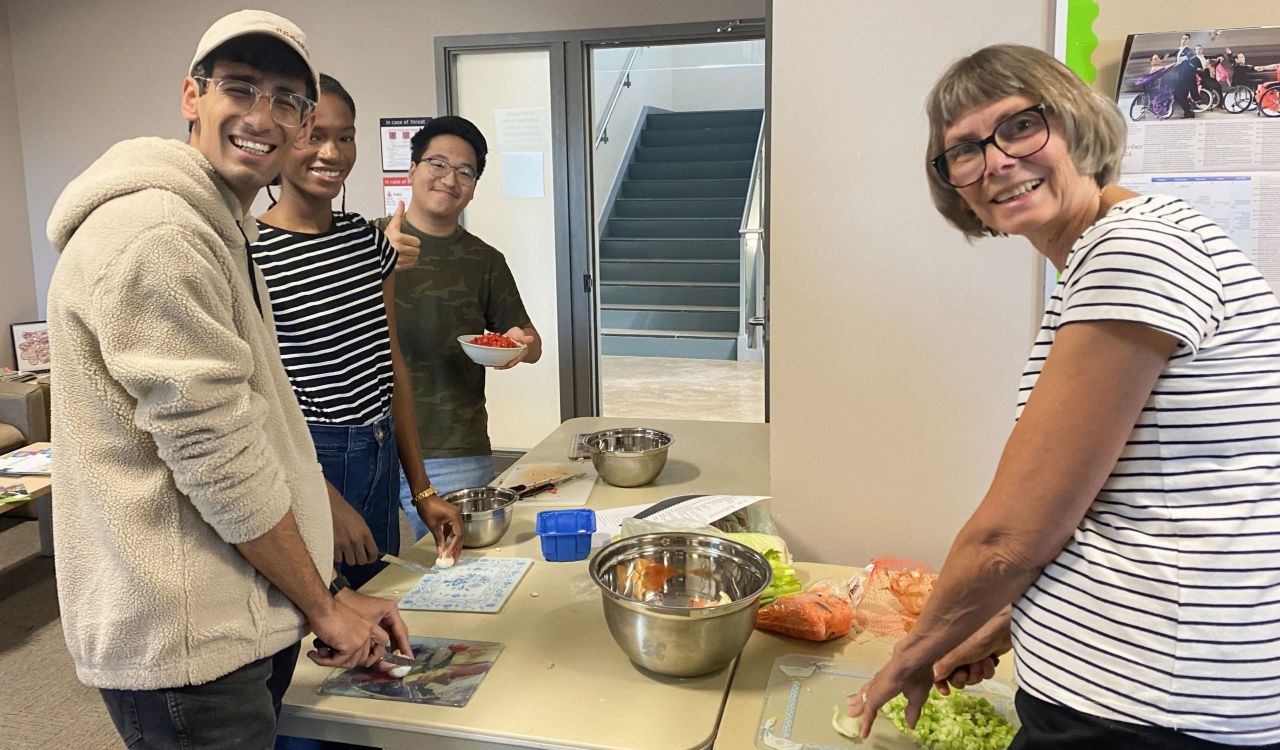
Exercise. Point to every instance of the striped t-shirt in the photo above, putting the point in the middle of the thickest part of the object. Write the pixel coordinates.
(326, 298)
(1164, 607)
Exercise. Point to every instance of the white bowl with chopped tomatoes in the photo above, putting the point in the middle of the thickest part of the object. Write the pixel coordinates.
(493, 349)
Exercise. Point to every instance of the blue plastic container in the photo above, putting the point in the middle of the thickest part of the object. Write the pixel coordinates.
(566, 534)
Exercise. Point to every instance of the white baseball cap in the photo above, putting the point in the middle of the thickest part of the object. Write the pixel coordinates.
(245, 22)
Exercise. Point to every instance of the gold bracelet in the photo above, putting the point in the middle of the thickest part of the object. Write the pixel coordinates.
(428, 492)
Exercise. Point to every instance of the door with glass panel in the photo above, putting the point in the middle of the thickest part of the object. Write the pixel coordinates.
(507, 94)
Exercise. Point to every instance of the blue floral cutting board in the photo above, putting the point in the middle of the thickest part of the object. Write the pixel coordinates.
(473, 584)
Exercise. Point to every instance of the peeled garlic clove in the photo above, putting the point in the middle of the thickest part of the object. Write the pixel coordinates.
(846, 725)
(399, 671)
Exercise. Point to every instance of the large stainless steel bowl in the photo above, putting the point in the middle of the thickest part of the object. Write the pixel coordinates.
(651, 587)
(486, 513)
(629, 456)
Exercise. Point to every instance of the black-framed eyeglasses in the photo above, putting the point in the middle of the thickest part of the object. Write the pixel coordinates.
(438, 167)
(287, 108)
(1018, 136)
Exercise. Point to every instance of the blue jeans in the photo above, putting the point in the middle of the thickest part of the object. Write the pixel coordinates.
(448, 475)
(237, 710)
(362, 463)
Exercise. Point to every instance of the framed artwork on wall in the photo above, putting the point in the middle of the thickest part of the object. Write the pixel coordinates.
(31, 345)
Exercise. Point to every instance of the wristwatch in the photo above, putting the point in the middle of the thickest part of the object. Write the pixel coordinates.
(338, 583)
(428, 492)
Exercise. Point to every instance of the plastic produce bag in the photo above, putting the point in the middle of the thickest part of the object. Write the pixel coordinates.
(823, 612)
(894, 595)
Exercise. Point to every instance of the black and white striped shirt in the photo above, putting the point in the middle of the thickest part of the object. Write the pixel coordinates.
(1164, 608)
(326, 298)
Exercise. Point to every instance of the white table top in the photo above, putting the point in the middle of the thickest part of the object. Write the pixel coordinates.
(561, 681)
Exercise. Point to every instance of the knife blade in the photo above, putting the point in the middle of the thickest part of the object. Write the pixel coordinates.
(529, 490)
(415, 567)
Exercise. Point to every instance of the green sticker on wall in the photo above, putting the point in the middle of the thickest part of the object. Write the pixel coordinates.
(1081, 41)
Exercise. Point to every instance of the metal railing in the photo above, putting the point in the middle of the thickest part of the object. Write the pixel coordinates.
(751, 263)
(623, 82)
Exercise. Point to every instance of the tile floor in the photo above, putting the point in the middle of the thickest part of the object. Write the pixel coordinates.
(669, 388)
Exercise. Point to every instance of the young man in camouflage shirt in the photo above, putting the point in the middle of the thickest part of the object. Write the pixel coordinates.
(460, 285)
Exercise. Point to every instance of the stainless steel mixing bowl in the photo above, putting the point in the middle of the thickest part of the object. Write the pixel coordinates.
(486, 513)
(652, 587)
(629, 456)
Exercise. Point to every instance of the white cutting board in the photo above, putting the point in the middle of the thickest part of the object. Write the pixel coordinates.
(569, 495)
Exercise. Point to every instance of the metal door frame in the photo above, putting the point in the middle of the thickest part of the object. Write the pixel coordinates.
(571, 159)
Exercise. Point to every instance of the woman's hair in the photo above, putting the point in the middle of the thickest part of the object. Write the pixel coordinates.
(329, 85)
(1092, 126)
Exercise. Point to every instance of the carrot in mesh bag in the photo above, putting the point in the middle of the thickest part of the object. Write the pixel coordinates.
(819, 614)
(894, 595)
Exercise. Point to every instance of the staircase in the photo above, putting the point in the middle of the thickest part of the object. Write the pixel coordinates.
(669, 248)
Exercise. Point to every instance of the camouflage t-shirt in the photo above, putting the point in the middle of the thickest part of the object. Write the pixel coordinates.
(460, 285)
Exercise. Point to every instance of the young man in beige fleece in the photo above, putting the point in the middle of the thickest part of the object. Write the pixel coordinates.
(192, 528)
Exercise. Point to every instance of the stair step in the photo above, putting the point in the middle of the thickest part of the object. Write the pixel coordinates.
(683, 344)
(670, 317)
(619, 270)
(679, 208)
(668, 293)
(708, 119)
(671, 333)
(715, 188)
(695, 136)
(669, 249)
(708, 152)
(718, 228)
(676, 170)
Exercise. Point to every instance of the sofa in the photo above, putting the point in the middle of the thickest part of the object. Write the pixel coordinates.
(24, 414)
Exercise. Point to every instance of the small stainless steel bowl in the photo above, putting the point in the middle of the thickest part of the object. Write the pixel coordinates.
(486, 513)
(651, 587)
(629, 456)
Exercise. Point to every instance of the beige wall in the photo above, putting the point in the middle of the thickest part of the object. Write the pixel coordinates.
(117, 66)
(896, 347)
(1119, 18)
(17, 283)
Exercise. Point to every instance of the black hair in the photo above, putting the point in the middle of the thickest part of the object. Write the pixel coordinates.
(329, 85)
(450, 125)
(265, 53)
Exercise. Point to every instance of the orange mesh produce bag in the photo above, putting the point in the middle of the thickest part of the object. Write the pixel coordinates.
(893, 596)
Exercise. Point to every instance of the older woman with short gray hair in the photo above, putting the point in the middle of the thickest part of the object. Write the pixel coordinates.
(1128, 549)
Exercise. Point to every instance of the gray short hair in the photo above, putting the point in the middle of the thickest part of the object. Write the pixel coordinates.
(1093, 127)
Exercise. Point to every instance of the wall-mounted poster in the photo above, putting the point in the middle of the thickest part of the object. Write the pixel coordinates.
(395, 190)
(1203, 115)
(396, 134)
(31, 346)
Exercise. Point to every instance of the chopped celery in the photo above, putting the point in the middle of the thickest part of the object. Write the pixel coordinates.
(958, 721)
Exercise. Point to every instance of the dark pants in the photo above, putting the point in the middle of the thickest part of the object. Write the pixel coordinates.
(1048, 726)
(363, 463)
(237, 711)
(1183, 85)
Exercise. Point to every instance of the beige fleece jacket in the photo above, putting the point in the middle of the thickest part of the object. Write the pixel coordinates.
(175, 432)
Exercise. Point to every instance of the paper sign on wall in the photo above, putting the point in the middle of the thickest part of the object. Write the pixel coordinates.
(396, 135)
(394, 190)
(522, 129)
(522, 175)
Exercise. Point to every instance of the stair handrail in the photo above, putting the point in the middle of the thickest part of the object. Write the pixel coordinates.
(749, 300)
(624, 81)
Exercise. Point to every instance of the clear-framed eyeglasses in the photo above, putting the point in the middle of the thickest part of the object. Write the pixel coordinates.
(287, 108)
(437, 167)
(1018, 136)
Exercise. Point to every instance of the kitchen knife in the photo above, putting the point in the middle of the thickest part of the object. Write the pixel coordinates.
(415, 567)
(529, 490)
(388, 656)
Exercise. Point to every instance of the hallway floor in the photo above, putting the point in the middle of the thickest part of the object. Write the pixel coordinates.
(671, 388)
